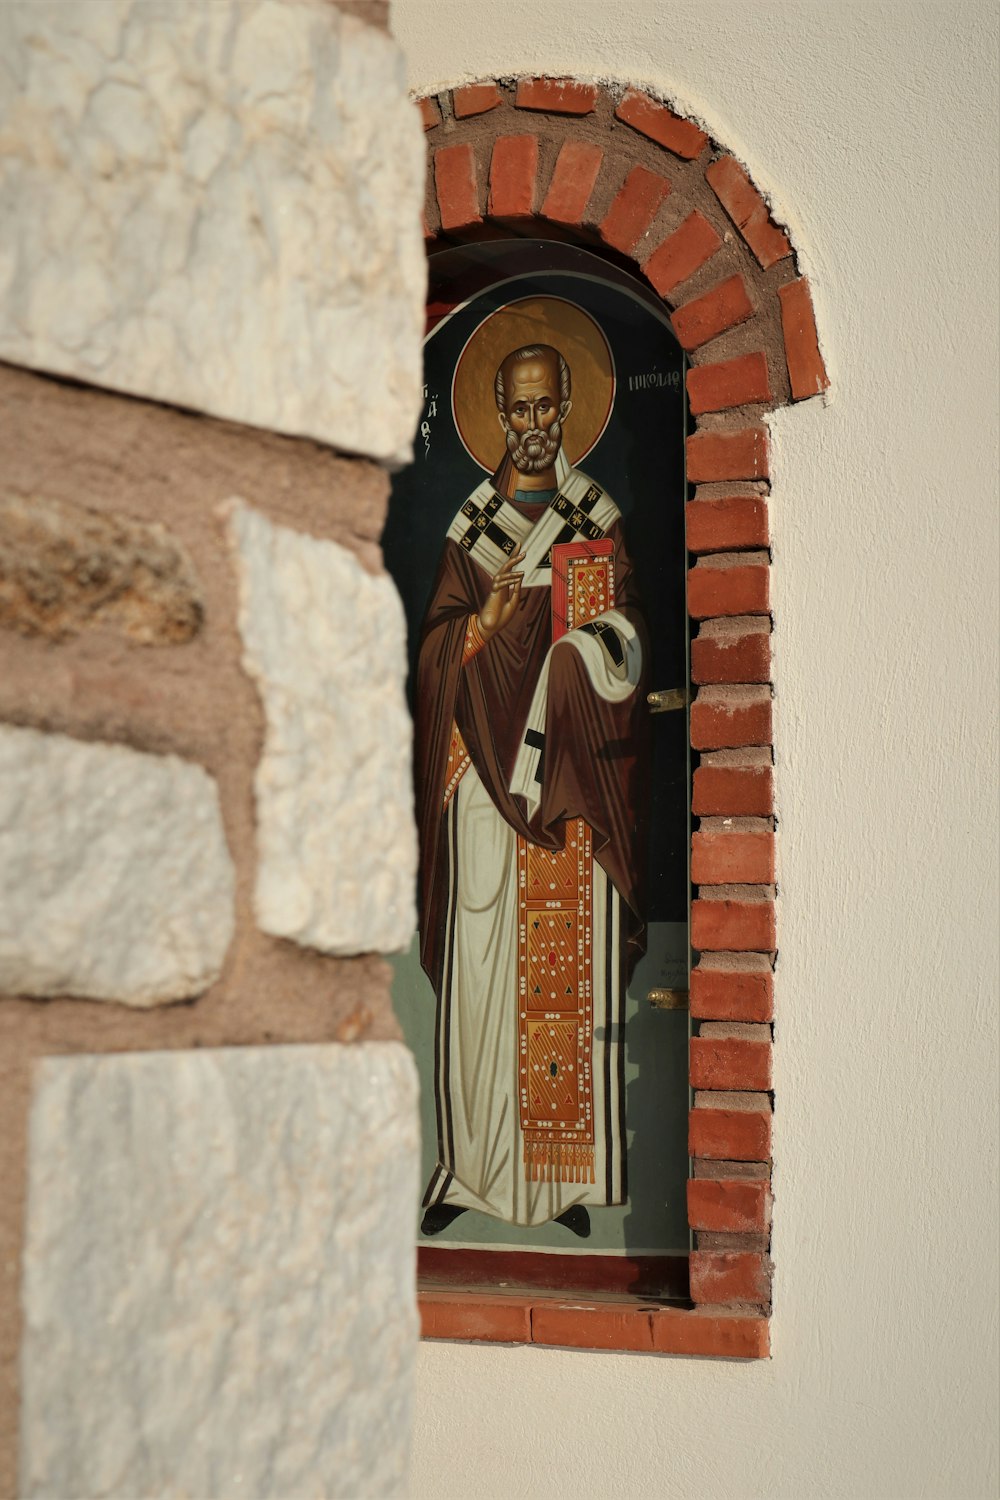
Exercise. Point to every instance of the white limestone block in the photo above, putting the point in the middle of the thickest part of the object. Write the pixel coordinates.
(325, 642)
(115, 879)
(217, 206)
(219, 1275)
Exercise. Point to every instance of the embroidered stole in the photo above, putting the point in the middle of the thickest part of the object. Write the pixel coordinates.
(555, 937)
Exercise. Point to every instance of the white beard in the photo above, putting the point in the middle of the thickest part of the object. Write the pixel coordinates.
(534, 451)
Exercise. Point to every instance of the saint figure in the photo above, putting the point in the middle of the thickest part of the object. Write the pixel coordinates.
(532, 767)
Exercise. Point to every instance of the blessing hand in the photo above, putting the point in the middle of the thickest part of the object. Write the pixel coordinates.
(503, 599)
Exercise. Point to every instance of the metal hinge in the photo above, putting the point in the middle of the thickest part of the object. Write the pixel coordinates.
(667, 699)
(668, 999)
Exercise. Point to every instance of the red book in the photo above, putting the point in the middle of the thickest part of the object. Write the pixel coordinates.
(583, 582)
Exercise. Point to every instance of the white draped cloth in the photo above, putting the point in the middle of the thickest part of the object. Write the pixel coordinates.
(478, 1057)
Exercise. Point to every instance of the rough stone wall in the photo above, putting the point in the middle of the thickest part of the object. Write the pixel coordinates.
(206, 837)
(183, 1339)
(106, 461)
(374, 12)
(178, 222)
(119, 458)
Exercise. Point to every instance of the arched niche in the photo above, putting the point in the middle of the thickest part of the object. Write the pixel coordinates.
(618, 172)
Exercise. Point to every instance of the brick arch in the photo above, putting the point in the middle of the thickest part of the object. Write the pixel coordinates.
(619, 171)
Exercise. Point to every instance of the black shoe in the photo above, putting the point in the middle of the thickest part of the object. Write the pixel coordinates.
(577, 1220)
(438, 1218)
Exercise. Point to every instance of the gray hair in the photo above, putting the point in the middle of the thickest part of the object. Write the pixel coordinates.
(532, 351)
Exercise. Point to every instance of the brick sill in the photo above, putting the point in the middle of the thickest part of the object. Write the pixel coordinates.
(625, 1323)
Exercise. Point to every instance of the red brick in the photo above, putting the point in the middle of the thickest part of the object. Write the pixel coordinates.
(456, 188)
(743, 656)
(572, 182)
(430, 112)
(678, 1330)
(806, 370)
(682, 253)
(513, 169)
(730, 995)
(732, 858)
(732, 382)
(730, 1134)
(737, 1207)
(667, 1330)
(704, 318)
(474, 99)
(720, 1276)
(729, 927)
(557, 96)
(748, 211)
(661, 125)
(724, 525)
(714, 456)
(736, 590)
(730, 1062)
(475, 1316)
(632, 211)
(724, 718)
(733, 791)
(594, 1326)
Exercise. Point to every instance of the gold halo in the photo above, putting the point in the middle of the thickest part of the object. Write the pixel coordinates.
(533, 320)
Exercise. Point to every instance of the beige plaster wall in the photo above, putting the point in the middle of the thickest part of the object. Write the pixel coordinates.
(874, 128)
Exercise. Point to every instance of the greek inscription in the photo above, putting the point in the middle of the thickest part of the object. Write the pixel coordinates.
(430, 411)
(655, 380)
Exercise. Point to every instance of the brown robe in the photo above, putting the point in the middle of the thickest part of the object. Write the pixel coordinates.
(596, 756)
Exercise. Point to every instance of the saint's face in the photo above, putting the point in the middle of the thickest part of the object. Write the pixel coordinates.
(532, 416)
(532, 403)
